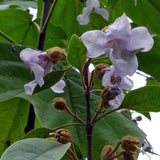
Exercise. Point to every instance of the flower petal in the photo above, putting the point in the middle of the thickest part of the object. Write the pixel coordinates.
(83, 19)
(38, 72)
(95, 41)
(106, 79)
(126, 83)
(92, 4)
(140, 40)
(120, 29)
(58, 87)
(103, 13)
(125, 64)
(29, 55)
(29, 87)
(115, 103)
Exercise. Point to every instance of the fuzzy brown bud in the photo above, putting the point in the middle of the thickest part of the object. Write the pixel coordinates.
(55, 54)
(138, 118)
(59, 103)
(98, 70)
(103, 29)
(63, 136)
(128, 143)
(128, 156)
(106, 151)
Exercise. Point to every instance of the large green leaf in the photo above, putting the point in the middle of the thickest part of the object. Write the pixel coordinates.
(145, 13)
(145, 99)
(149, 62)
(14, 115)
(109, 129)
(76, 52)
(18, 25)
(35, 148)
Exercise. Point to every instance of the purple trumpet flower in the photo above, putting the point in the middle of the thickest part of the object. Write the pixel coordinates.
(41, 65)
(91, 6)
(117, 82)
(119, 42)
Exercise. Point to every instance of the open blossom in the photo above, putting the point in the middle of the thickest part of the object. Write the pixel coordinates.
(113, 79)
(91, 6)
(40, 65)
(119, 42)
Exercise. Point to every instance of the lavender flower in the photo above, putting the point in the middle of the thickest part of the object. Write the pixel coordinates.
(91, 6)
(113, 79)
(40, 65)
(119, 42)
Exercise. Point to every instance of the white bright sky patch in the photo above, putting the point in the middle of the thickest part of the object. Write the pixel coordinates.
(33, 11)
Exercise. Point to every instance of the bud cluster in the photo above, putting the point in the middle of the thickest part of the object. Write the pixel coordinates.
(128, 144)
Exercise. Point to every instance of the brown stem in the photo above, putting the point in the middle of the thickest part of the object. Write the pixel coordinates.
(98, 111)
(75, 115)
(88, 126)
(116, 155)
(46, 7)
(119, 142)
(105, 115)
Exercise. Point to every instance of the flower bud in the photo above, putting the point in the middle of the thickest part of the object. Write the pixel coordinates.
(109, 93)
(55, 54)
(98, 70)
(59, 103)
(63, 136)
(128, 143)
(138, 118)
(128, 156)
(106, 151)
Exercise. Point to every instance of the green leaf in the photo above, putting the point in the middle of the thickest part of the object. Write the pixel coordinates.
(14, 115)
(35, 148)
(143, 13)
(18, 25)
(7, 4)
(13, 73)
(37, 133)
(145, 99)
(76, 52)
(149, 61)
(50, 79)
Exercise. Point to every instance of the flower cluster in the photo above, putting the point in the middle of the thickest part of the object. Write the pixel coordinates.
(118, 42)
(41, 63)
(91, 6)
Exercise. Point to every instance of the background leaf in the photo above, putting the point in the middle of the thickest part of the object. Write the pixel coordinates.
(18, 25)
(14, 115)
(76, 52)
(35, 148)
(145, 99)
(149, 61)
(145, 13)
(19, 4)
